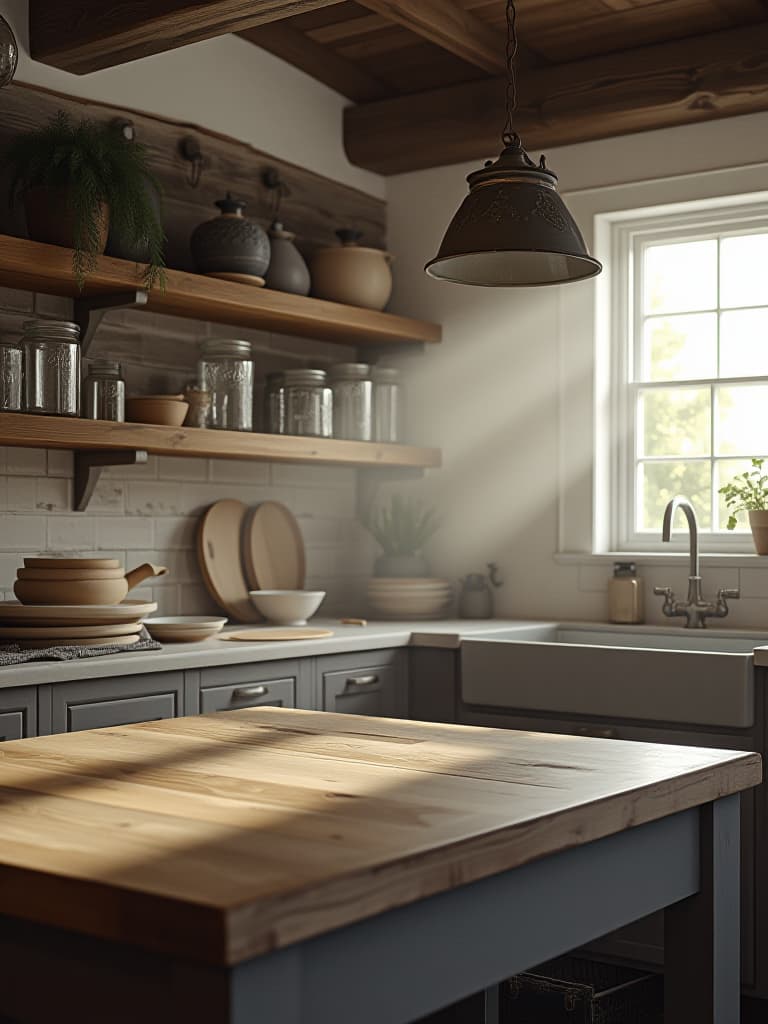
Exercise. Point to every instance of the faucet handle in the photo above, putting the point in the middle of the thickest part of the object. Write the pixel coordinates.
(725, 593)
(663, 592)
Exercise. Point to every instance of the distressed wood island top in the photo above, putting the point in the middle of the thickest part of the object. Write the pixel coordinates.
(224, 837)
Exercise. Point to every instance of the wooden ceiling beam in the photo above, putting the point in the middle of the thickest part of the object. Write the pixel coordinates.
(447, 25)
(345, 76)
(682, 82)
(88, 35)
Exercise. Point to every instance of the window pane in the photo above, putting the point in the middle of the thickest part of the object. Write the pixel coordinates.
(725, 471)
(659, 482)
(744, 343)
(674, 421)
(680, 347)
(742, 270)
(742, 419)
(680, 277)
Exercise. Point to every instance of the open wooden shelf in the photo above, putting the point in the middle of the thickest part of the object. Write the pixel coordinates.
(29, 431)
(35, 266)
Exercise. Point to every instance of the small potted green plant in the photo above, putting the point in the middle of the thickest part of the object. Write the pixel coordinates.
(78, 179)
(748, 492)
(402, 530)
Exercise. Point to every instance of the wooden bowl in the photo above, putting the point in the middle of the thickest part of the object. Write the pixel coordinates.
(165, 412)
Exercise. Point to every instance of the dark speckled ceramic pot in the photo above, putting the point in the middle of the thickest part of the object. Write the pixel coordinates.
(230, 243)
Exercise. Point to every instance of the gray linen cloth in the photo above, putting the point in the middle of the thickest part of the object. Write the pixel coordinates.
(12, 654)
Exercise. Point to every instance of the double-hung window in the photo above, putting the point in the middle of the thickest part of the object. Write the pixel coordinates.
(690, 324)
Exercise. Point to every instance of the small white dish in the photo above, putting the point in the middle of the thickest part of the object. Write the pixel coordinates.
(287, 607)
(183, 629)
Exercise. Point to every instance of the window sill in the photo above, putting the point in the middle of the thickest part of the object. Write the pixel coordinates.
(733, 560)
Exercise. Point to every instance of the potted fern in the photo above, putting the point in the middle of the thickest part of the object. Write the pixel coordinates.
(77, 179)
(748, 492)
(402, 530)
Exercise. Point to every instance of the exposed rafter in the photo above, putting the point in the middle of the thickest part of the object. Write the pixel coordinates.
(88, 35)
(675, 83)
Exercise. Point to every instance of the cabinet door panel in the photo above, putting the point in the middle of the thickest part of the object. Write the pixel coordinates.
(99, 703)
(280, 693)
(364, 684)
(18, 712)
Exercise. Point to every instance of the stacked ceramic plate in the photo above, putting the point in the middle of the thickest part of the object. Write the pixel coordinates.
(390, 598)
(63, 625)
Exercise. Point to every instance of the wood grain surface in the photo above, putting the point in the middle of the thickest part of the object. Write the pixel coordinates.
(222, 837)
(28, 431)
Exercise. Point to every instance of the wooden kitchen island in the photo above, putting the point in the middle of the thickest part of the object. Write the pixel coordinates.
(269, 866)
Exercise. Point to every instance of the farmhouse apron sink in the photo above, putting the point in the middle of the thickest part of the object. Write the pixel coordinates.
(647, 673)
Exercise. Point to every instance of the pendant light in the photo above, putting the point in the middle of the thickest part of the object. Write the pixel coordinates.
(513, 229)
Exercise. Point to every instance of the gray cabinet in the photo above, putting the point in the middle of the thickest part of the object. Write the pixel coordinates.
(98, 703)
(286, 684)
(371, 683)
(18, 712)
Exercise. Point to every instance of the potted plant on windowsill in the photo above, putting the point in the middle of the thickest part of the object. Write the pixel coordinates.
(748, 492)
(78, 179)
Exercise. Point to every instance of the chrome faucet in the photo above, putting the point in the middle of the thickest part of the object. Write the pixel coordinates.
(695, 609)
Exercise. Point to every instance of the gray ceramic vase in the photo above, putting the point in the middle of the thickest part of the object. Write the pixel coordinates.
(287, 270)
(230, 243)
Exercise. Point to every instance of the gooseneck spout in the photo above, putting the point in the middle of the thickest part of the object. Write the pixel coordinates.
(686, 507)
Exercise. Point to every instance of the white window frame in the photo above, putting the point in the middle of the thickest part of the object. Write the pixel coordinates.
(630, 239)
(586, 531)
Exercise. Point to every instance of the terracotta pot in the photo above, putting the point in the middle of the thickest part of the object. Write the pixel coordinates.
(758, 522)
(352, 274)
(50, 218)
(109, 591)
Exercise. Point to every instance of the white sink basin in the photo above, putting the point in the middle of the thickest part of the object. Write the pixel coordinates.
(647, 673)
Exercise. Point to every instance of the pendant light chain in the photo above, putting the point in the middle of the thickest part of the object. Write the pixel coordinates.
(508, 136)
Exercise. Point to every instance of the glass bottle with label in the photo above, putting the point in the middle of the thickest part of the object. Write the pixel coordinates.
(625, 594)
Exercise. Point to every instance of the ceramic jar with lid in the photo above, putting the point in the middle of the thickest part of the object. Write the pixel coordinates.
(352, 401)
(287, 270)
(230, 243)
(353, 274)
(51, 367)
(225, 371)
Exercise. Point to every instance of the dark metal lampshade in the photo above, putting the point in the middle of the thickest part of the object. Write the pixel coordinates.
(513, 229)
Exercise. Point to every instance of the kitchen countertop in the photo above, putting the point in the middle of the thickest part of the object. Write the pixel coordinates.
(215, 652)
(223, 837)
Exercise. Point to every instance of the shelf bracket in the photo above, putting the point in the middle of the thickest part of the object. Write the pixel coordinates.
(369, 482)
(89, 310)
(89, 466)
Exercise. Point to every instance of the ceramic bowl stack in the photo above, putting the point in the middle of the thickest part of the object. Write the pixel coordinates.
(74, 602)
(401, 598)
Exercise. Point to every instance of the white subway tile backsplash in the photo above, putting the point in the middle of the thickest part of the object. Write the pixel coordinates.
(182, 469)
(55, 306)
(174, 533)
(26, 462)
(754, 582)
(13, 299)
(129, 532)
(60, 462)
(235, 471)
(52, 494)
(25, 533)
(71, 533)
(22, 493)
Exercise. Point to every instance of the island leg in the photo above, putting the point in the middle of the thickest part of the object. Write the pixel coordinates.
(702, 964)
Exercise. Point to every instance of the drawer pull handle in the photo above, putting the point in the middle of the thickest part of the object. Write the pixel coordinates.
(246, 692)
(362, 680)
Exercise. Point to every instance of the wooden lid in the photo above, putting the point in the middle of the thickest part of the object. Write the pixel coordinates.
(72, 563)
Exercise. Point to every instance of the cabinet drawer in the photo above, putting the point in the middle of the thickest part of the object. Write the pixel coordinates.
(280, 693)
(99, 703)
(371, 687)
(18, 712)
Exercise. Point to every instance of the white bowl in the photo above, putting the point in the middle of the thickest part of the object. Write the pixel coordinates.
(287, 607)
(177, 629)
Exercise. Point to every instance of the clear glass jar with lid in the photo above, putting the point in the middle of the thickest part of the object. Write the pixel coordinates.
(225, 370)
(10, 375)
(387, 404)
(51, 367)
(104, 391)
(352, 401)
(308, 410)
(274, 403)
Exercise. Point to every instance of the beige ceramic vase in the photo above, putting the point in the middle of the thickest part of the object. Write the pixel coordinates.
(352, 274)
(758, 522)
(109, 586)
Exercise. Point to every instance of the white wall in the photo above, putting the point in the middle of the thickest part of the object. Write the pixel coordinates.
(489, 394)
(226, 84)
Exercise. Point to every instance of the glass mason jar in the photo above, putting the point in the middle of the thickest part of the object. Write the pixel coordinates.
(51, 362)
(387, 404)
(104, 391)
(352, 401)
(10, 375)
(225, 370)
(274, 403)
(308, 404)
